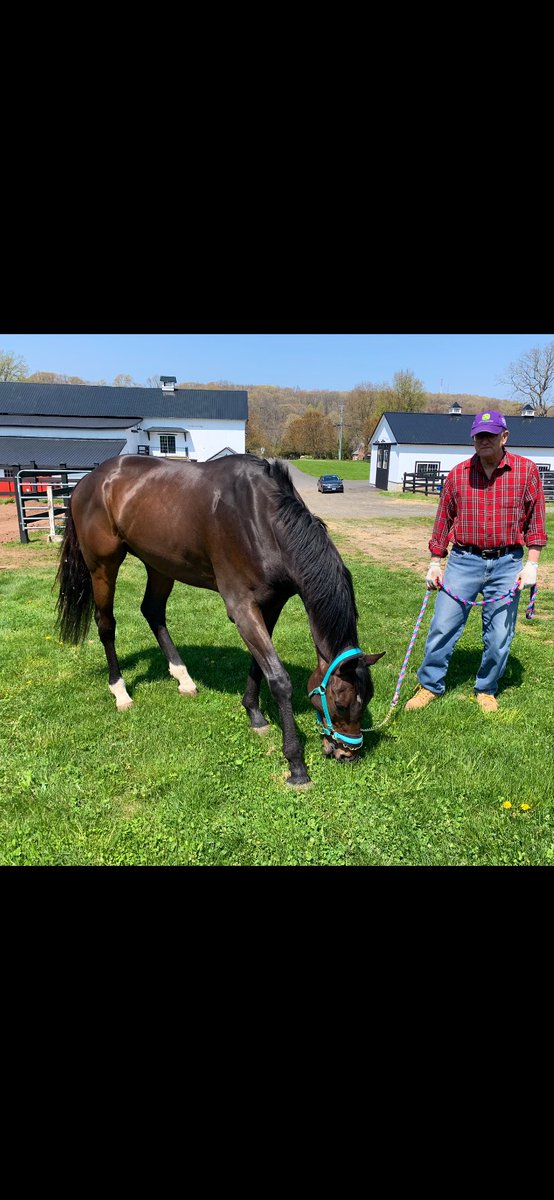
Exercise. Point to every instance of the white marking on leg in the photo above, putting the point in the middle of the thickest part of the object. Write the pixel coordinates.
(122, 697)
(187, 686)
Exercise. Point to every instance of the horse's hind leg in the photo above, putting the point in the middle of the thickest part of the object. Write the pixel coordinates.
(153, 607)
(103, 586)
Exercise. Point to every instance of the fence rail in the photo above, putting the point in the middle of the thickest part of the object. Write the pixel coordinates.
(547, 480)
(423, 483)
(42, 498)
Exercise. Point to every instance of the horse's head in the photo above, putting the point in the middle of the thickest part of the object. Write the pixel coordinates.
(340, 692)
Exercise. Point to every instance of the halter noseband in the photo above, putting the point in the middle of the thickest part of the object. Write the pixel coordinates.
(320, 691)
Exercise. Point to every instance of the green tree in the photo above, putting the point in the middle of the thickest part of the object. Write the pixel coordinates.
(408, 392)
(531, 377)
(13, 368)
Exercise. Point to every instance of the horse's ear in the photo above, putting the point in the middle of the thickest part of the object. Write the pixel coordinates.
(370, 659)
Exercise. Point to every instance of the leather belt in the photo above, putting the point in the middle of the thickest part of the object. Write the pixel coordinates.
(498, 553)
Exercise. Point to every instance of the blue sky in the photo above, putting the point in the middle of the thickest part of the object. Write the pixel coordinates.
(446, 362)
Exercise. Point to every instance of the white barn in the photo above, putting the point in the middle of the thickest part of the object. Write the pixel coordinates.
(433, 443)
(54, 425)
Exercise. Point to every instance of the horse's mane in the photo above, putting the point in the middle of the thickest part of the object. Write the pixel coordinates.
(314, 563)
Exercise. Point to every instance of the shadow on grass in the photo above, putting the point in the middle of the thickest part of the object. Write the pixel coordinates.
(219, 669)
(464, 666)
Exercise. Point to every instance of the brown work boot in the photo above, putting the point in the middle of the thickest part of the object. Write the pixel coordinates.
(421, 699)
(486, 701)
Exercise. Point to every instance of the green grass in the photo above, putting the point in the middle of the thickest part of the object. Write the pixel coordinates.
(331, 466)
(175, 781)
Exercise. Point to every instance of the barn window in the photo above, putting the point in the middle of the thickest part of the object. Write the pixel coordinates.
(167, 443)
(427, 468)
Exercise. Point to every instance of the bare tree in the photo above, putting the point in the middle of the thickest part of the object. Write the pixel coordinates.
(13, 368)
(532, 376)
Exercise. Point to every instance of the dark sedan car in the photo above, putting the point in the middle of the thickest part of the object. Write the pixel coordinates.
(330, 483)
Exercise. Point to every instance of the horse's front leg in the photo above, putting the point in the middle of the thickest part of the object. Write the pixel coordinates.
(251, 699)
(251, 626)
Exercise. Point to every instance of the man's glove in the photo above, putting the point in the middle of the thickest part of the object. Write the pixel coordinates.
(434, 574)
(528, 576)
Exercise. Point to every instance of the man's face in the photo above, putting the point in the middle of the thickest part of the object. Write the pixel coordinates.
(490, 446)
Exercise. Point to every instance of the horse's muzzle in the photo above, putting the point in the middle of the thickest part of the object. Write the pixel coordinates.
(341, 754)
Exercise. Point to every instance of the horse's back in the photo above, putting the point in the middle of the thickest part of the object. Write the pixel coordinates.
(187, 519)
(164, 480)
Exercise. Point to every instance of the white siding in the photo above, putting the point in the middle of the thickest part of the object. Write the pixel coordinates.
(404, 458)
(204, 439)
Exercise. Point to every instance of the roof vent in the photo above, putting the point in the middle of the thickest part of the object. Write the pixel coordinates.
(527, 410)
(455, 409)
(168, 382)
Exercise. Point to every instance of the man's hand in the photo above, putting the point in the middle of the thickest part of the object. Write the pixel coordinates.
(434, 575)
(527, 576)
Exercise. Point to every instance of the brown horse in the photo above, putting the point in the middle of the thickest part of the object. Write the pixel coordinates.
(235, 525)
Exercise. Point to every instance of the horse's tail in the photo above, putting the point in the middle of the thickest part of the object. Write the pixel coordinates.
(75, 601)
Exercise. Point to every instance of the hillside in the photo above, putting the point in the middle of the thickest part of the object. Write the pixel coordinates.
(358, 411)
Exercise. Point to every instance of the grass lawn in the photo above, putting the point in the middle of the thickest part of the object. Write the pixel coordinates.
(177, 781)
(330, 466)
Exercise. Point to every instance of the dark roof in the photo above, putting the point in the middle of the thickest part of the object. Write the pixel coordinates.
(224, 453)
(442, 429)
(84, 400)
(68, 422)
(51, 452)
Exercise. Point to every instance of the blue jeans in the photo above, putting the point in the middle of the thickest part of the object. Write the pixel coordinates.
(467, 575)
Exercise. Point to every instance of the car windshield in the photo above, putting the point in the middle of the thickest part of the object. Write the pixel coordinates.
(331, 478)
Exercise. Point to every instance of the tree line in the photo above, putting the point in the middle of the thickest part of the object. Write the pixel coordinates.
(331, 424)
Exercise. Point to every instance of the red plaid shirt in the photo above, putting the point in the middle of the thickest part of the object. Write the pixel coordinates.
(505, 510)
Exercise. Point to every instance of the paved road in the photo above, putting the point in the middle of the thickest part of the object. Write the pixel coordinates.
(357, 500)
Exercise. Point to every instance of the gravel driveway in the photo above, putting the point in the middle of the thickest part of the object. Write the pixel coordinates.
(357, 500)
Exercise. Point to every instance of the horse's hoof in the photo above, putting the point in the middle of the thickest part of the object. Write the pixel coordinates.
(260, 728)
(299, 786)
(125, 704)
(187, 691)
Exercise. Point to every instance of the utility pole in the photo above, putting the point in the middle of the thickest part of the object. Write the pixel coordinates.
(341, 410)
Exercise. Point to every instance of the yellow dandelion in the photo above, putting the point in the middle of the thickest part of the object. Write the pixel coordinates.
(525, 807)
(507, 804)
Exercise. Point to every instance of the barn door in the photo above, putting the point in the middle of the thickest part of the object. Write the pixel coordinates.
(382, 470)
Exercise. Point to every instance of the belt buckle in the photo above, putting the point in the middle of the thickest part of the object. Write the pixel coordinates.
(487, 553)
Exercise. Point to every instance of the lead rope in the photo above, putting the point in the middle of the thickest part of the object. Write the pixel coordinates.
(509, 596)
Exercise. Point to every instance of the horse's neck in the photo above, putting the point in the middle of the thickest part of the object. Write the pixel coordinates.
(326, 649)
(331, 613)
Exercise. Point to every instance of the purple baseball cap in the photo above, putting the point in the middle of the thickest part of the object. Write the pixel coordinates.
(488, 422)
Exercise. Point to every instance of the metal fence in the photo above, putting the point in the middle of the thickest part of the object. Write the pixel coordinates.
(42, 499)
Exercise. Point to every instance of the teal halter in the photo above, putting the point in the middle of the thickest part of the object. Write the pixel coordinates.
(320, 691)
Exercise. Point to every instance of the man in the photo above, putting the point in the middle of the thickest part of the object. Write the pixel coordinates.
(491, 505)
